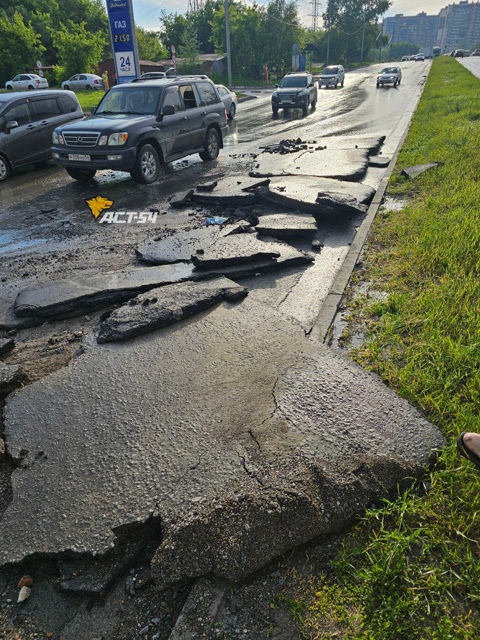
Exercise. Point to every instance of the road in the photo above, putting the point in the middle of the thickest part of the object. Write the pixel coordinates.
(226, 439)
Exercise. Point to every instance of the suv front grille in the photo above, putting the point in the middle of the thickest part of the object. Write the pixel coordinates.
(81, 139)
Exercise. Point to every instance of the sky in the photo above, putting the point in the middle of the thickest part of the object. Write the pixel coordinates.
(147, 12)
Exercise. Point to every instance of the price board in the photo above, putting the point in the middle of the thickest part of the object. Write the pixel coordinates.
(124, 43)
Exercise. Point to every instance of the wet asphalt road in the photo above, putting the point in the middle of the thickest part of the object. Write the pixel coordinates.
(358, 108)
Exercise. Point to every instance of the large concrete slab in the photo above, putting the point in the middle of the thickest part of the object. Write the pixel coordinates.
(237, 249)
(259, 442)
(231, 191)
(287, 225)
(341, 164)
(319, 196)
(164, 306)
(62, 298)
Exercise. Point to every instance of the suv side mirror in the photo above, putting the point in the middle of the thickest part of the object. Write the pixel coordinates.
(168, 110)
(12, 124)
(276, 86)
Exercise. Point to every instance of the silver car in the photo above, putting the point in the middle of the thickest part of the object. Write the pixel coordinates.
(389, 75)
(332, 76)
(229, 99)
(26, 82)
(84, 82)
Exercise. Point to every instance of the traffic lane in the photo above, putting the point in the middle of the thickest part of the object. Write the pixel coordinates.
(472, 64)
(358, 107)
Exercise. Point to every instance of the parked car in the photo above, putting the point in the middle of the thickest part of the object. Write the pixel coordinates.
(332, 76)
(420, 57)
(389, 75)
(27, 121)
(84, 82)
(229, 99)
(406, 58)
(138, 126)
(157, 75)
(26, 82)
(295, 91)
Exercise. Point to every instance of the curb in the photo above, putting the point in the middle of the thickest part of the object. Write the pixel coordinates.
(330, 307)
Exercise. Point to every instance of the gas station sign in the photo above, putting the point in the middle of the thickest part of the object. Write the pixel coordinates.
(124, 42)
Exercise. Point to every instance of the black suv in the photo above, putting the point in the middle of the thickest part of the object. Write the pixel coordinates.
(27, 120)
(138, 126)
(295, 91)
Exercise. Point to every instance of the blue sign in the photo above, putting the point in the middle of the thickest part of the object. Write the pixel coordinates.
(124, 42)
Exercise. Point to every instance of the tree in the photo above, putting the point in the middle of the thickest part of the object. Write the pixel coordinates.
(189, 48)
(20, 48)
(78, 49)
(149, 47)
(172, 29)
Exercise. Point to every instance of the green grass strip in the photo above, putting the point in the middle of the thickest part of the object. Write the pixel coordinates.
(411, 569)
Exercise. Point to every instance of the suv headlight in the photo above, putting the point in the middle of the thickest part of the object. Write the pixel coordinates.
(114, 139)
(57, 138)
(303, 92)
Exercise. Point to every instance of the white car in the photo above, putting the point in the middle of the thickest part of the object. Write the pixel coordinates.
(84, 82)
(389, 75)
(229, 99)
(26, 82)
(332, 76)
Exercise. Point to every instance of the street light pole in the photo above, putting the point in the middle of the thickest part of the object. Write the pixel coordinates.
(227, 38)
(363, 37)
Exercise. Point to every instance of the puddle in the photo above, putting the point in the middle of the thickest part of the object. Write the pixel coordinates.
(9, 242)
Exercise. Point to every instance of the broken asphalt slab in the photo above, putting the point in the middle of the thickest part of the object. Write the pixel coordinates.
(178, 247)
(413, 172)
(232, 191)
(319, 196)
(237, 249)
(11, 377)
(166, 305)
(61, 298)
(340, 164)
(287, 225)
(244, 443)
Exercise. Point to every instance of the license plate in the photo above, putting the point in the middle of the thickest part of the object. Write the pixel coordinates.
(78, 156)
(286, 102)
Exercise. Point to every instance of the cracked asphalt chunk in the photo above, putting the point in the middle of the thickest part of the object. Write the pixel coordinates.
(166, 305)
(154, 429)
(177, 247)
(287, 225)
(236, 249)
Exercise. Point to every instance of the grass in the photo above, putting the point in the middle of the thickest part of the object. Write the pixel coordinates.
(411, 568)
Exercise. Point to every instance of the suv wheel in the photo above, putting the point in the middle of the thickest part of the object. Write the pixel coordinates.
(84, 175)
(274, 110)
(305, 106)
(314, 104)
(343, 82)
(4, 169)
(147, 165)
(30, 87)
(231, 113)
(211, 146)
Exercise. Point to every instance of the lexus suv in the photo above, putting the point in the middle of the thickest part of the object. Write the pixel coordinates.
(138, 126)
(295, 91)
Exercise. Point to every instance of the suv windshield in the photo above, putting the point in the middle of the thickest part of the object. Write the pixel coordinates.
(329, 70)
(293, 81)
(137, 99)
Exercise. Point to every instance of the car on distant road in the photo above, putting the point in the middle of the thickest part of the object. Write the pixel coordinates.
(157, 75)
(476, 52)
(420, 57)
(406, 58)
(138, 126)
(27, 120)
(332, 76)
(26, 82)
(389, 75)
(84, 82)
(229, 99)
(295, 91)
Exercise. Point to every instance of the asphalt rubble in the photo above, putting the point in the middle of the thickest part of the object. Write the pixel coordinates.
(171, 513)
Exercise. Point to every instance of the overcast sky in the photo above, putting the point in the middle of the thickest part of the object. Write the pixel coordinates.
(147, 12)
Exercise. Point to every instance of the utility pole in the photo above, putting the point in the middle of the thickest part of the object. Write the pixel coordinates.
(227, 38)
(363, 37)
(328, 32)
